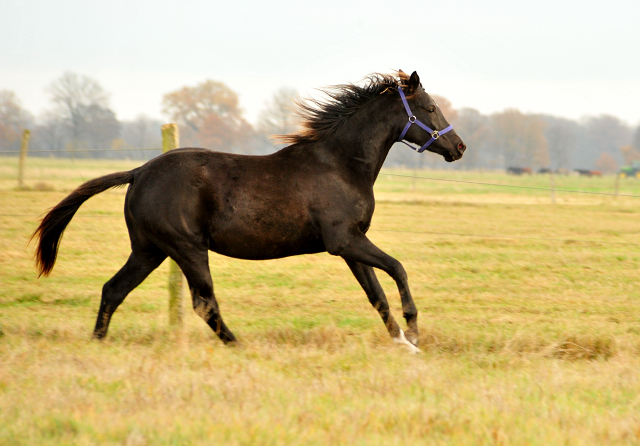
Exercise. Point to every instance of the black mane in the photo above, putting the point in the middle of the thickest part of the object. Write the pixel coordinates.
(321, 117)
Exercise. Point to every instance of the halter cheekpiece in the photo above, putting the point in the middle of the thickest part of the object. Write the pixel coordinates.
(435, 134)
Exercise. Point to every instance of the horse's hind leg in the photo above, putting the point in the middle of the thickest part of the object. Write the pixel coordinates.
(139, 265)
(195, 266)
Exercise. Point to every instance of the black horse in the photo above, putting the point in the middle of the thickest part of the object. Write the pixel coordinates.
(313, 196)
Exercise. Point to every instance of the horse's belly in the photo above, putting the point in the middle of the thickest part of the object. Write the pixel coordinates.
(251, 248)
(259, 241)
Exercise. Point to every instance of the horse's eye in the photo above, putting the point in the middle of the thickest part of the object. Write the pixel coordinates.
(431, 109)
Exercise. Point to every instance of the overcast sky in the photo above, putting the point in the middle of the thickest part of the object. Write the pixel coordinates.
(563, 57)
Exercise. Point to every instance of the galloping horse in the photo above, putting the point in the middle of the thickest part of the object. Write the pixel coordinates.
(312, 196)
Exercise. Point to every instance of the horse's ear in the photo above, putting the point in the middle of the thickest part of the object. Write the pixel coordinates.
(414, 81)
(403, 76)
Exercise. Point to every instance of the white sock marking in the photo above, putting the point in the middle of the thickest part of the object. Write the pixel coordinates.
(401, 339)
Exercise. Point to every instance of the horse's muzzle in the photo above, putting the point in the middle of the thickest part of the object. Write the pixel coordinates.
(455, 155)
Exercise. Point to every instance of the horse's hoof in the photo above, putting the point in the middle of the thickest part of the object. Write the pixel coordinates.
(401, 339)
(412, 337)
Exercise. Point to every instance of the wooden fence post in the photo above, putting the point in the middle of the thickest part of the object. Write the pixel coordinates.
(24, 148)
(170, 141)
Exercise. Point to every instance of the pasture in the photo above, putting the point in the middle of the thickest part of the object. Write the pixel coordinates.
(529, 315)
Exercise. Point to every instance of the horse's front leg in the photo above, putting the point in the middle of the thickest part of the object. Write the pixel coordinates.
(366, 276)
(356, 247)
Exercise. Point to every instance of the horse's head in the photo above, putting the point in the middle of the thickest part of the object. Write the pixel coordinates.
(426, 125)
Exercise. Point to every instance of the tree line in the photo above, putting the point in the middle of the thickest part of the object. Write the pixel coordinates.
(514, 139)
(80, 123)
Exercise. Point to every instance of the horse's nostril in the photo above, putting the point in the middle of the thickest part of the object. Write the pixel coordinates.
(462, 147)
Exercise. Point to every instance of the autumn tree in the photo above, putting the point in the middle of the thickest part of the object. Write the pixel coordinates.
(209, 114)
(606, 163)
(535, 143)
(221, 134)
(630, 154)
(445, 107)
(473, 128)
(13, 120)
(521, 138)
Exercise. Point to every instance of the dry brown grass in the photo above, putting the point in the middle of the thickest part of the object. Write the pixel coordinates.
(525, 341)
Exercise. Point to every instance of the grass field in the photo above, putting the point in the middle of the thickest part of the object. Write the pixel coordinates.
(529, 318)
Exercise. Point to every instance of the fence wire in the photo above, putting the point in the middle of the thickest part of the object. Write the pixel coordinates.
(512, 185)
(512, 237)
(399, 231)
(62, 152)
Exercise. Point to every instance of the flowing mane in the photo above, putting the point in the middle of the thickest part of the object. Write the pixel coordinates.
(320, 117)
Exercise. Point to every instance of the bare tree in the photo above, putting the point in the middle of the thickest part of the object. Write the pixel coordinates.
(278, 117)
(49, 135)
(142, 133)
(562, 137)
(636, 139)
(603, 133)
(13, 120)
(100, 127)
(73, 95)
(82, 104)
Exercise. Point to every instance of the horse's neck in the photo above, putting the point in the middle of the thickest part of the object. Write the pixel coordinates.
(364, 143)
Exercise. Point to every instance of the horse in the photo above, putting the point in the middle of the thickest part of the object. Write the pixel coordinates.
(312, 196)
(519, 170)
(588, 173)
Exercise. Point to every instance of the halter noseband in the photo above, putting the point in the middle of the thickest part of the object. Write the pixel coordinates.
(435, 134)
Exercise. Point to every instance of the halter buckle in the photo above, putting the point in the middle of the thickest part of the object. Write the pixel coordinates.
(412, 119)
(435, 134)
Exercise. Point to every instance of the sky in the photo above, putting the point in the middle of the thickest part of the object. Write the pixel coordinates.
(565, 58)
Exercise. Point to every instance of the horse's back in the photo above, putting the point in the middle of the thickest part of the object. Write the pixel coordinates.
(252, 207)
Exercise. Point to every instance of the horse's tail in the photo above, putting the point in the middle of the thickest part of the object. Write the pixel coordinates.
(55, 222)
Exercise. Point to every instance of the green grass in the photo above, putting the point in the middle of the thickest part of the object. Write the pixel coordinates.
(532, 340)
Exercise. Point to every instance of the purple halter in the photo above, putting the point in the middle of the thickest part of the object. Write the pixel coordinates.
(435, 134)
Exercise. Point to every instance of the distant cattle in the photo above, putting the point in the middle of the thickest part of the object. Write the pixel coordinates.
(545, 170)
(589, 173)
(519, 170)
